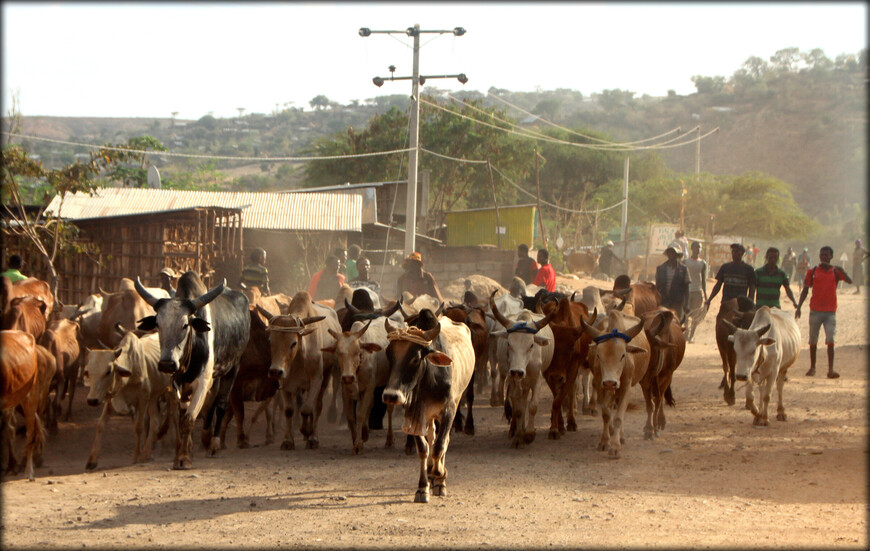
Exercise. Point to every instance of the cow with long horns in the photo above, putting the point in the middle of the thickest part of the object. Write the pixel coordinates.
(202, 336)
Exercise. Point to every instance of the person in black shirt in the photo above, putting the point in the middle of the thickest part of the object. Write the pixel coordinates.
(527, 268)
(737, 277)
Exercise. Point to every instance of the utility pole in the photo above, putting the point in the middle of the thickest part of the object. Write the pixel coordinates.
(625, 213)
(416, 81)
(538, 186)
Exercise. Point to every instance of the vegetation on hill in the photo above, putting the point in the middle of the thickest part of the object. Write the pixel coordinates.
(789, 159)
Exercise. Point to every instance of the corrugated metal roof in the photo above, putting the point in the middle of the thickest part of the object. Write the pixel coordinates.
(260, 210)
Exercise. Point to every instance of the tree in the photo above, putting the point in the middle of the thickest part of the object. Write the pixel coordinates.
(786, 60)
(708, 85)
(319, 102)
(46, 231)
(136, 176)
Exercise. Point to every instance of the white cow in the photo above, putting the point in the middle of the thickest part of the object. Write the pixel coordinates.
(764, 353)
(88, 314)
(525, 350)
(128, 373)
(508, 305)
(362, 359)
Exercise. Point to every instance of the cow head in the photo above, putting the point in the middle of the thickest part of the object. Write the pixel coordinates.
(106, 371)
(748, 348)
(611, 346)
(25, 313)
(352, 353)
(409, 354)
(285, 337)
(522, 338)
(176, 322)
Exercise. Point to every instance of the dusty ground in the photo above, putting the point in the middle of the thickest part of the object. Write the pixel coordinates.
(712, 479)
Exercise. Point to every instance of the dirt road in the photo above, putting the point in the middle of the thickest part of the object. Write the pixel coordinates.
(711, 480)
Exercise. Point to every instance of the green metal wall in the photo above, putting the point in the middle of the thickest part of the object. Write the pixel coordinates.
(477, 227)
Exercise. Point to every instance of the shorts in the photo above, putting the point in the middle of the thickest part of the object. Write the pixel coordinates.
(817, 320)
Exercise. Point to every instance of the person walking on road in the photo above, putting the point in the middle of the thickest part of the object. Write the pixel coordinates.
(823, 306)
(768, 279)
(859, 255)
(697, 268)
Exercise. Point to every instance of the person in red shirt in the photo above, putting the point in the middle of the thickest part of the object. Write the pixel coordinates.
(326, 283)
(823, 305)
(546, 276)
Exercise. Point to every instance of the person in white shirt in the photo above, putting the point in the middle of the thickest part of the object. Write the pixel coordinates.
(697, 288)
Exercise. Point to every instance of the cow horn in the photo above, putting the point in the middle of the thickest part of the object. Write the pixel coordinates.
(589, 329)
(572, 296)
(201, 301)
(440, 310)
(350, 307)
(146, 296)
(762, 330)
(634, 331)
(499, 317)
(621, 304)
(103, 293)
(731, 327)
(102, 345)
(389, 326)
(266, 314)
(392, 309)
(120, 328)
(79, 312)
(402, 310)
(622, 292)
(538, 309)
(362, 331)
(547, 319)
(432, 334)
(311, 319)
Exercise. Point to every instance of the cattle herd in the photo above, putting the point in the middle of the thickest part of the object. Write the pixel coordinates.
(202, 354)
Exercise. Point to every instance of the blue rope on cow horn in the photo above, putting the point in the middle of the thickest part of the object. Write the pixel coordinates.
(615, 334)
(521, 327)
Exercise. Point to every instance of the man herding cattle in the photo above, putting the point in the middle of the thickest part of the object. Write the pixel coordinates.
(416, 280)
(546, 276)
(769, 278)
(672, 281)
(823, 305)
(526, 268)
(737, 277)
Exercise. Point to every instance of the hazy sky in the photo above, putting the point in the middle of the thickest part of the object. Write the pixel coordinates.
(149, 59)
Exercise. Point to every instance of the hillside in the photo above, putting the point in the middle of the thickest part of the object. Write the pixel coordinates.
(806, 127)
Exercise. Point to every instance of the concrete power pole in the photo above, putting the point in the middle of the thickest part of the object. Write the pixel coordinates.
(413, 159)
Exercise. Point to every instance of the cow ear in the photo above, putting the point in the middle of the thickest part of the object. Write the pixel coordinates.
(767, 341)
(439, 358)
(123, 371)
(542, 341)
(731, 338)
(502, 334)
(199, 325)
(370, 347)
(118, 353)
(632, 349)
(148, 323)
(328, 350)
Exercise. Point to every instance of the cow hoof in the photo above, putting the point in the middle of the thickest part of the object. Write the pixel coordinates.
(622, 439)
(572, 426)
(91, 465)
(389, 443)
(648, 435)
(422, 496)
(780, 417)
(517, 444)
(493, 402)
(439, 490)
(748, 406)
(469, 429)
(613, 453)
(553, 435)
(357, 448)
(312, 445)
(244, 444)
(603, 447)
(365, 433)
(182, 465)
(288, 445)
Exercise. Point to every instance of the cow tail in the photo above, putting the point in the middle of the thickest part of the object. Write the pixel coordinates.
(669, 397)
(508, 410)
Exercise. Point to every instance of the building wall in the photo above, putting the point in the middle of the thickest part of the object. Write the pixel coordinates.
(478, 227)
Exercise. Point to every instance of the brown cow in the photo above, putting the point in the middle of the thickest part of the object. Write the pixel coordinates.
(619, 356)
(475, 318)
(63, 339)
(19, 377)
(47, 380)
(35, 288)
(125, 307)
(739, 311)
(253, 383)
(562, 373)
(26, 314)
(667, 348)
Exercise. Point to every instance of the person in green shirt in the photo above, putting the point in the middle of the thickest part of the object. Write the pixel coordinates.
(13, 271)
(769, 278)
(256, 274)
(353, 253)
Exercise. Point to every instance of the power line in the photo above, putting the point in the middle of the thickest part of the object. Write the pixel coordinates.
(217, 157)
